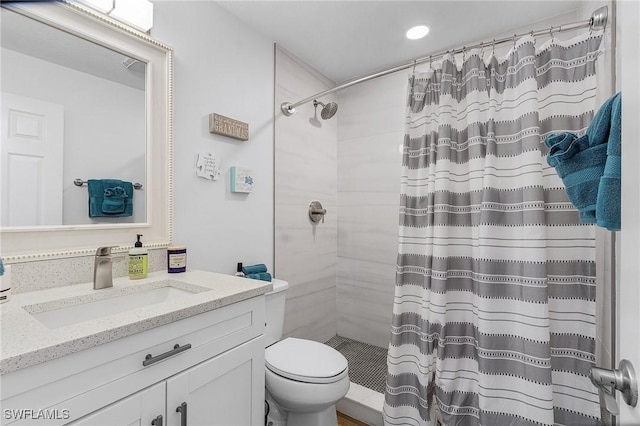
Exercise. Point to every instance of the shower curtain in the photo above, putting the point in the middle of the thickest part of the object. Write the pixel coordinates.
(494, 310)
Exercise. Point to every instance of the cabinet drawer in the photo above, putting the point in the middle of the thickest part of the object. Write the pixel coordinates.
(49, 384)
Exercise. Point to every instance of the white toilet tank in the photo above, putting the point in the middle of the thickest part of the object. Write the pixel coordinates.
(275, 311)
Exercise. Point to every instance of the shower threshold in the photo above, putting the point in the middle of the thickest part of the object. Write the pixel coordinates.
(368, 373)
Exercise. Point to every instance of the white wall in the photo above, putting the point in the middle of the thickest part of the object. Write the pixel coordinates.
(221, 66)
(306, 170)
(104, 128)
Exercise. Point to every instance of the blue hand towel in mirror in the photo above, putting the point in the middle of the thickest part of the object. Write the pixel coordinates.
(97, 189)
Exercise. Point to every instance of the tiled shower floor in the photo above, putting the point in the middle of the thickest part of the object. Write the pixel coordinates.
(367, 363)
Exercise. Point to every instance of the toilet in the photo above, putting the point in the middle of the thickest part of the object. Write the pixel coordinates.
(303, 379)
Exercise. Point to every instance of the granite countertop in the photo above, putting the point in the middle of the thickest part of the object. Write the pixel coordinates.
(25, 341)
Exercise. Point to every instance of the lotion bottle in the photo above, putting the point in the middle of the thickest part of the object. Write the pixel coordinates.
(138, 261)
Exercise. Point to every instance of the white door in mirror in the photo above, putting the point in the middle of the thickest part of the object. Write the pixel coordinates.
(32, 161)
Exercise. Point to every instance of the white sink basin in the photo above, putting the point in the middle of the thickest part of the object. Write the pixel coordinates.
(65, 312)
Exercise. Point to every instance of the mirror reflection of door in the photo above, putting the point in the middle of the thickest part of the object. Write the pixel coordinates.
(32, 161)
(103, 93)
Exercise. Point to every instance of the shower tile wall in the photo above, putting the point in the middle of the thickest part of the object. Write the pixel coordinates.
(370, 131)
(305, 164)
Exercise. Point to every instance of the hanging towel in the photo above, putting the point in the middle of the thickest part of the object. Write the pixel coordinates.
(99, 188)
(609, 198)
(263, 276)
(580, 162)
(254, 269)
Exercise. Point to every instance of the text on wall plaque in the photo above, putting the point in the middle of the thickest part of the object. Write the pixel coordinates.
(226, 126)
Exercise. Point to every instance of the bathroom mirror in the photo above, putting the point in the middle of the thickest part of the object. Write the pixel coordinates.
(83, 97)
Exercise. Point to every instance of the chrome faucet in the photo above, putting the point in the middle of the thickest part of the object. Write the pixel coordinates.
(102, 269)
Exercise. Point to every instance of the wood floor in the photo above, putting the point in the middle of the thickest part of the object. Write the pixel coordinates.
(344, 420)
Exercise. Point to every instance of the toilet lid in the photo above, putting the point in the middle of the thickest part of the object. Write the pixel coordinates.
(306, 361)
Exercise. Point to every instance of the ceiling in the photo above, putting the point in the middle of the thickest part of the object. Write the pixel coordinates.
(351, 38)
(33, 38)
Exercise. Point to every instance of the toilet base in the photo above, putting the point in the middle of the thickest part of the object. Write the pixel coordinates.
(326, 417)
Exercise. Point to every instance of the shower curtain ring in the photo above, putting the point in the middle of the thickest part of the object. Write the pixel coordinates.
(514, 40)
(430, 62)
(482, 50)
(493, 47)
(464, 54)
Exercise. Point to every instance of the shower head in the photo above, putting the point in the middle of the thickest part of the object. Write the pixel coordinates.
(328, 110)
(128, 62)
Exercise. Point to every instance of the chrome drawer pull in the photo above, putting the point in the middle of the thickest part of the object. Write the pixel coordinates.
(150, 359)
(157, 421)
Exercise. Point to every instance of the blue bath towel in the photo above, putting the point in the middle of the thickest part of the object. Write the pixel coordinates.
(118, 203)
(254, 269)
(263, 276)
(580, 163)
(609, 198)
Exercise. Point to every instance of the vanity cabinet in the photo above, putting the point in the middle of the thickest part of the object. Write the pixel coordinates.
(220, 376)
(217, 392)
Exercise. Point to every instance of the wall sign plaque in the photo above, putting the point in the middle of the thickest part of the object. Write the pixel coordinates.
(226, 126)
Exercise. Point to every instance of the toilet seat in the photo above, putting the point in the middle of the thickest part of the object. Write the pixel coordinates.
(306, 361)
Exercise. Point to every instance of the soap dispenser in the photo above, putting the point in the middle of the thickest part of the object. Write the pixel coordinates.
(138, 261)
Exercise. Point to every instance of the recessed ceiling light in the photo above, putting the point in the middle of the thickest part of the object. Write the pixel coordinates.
(417, 32)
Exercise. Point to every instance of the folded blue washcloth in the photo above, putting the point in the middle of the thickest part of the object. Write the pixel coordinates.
(254, 269)
(1, 268)
(263, 276)
(118, 203)
(609, 197)
(115, 200)
(580, 162)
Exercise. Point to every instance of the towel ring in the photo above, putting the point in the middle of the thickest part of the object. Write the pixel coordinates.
(80, 182)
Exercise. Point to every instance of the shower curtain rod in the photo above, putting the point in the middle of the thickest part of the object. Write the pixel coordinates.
(597, 21)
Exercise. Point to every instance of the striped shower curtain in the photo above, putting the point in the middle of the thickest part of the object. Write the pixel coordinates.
(494, 311)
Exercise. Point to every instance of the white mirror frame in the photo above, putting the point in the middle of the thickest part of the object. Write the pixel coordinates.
(23, 244)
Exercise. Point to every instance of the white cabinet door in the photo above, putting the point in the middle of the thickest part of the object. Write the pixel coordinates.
(227, 390)
(141, 408)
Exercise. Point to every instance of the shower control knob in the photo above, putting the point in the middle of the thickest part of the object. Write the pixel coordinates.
(316, 212)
